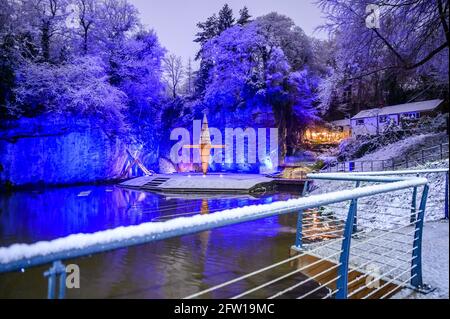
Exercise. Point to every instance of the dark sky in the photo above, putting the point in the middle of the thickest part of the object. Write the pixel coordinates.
(175, 20)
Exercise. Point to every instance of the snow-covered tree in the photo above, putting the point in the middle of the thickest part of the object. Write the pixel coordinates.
(225, 19)
(188, 86)
(250, 70)
(88, 12)
(404, 53)
(173, 73)
(281, 31)
(80, 88)
(244, 16)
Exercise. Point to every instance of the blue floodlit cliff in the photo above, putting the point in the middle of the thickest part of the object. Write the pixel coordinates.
(42, 150)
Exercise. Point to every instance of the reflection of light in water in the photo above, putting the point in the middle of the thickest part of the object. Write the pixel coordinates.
(316, 229)
(141, 197)
(204, 236)
(268, 163)
(204, 208)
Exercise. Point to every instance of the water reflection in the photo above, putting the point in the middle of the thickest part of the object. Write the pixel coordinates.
(319, 227)
(167, 269)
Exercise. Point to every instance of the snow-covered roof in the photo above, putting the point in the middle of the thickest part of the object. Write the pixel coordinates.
(400, 108)
(366, 113)
(343, 122)
(411, 107)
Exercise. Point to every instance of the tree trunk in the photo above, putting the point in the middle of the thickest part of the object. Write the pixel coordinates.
(45, 41)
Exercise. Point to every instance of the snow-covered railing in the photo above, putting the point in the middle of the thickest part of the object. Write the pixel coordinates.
(20, 256)
(417, 172)
(437, 152)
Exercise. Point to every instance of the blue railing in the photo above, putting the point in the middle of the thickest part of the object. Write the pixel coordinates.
(21, 256)
(416, 220)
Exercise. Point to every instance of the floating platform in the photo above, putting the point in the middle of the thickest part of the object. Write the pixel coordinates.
(201, 184)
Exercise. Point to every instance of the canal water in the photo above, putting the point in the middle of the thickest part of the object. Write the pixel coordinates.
(173, 268)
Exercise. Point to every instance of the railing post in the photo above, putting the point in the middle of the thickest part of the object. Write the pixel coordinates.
(442, 153)
(62, 282)
(413, 216)
(342, 281)
(416, 263)
(423, 157)
(446, 197)
(299, 236)
(56, 270)
(354, 202)
(382, 165)
(406, 161)
(51, 283)
(305, 188)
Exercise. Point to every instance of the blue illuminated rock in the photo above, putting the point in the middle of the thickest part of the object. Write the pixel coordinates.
(51, 151)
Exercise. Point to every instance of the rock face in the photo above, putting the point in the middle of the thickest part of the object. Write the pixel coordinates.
(45, 150)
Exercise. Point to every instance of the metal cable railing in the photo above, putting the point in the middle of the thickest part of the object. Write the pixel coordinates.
(437, 152)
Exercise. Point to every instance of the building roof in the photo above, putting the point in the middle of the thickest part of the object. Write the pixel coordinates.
(366, 113)
(411, 107)
(343, 122)
(400, 108)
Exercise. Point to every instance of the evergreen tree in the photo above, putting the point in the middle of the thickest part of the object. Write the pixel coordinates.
(208, 30)
(189, 78)
(244, 16)
(212, 27)
(225, 19)
(202, 77)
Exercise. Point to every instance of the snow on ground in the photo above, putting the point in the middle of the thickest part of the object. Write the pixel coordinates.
(406, 146)
(376, 211)
(435, 262)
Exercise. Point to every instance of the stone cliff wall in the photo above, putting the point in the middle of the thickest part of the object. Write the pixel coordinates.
(50, 151)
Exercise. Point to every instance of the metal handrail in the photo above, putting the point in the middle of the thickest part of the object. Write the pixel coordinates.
(410, 158)
(66, 248)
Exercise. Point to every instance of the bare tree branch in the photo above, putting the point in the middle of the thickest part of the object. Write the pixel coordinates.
(173, 72)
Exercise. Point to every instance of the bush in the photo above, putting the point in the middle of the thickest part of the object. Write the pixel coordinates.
(79, 88)
(318, 165)
(353, 148)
